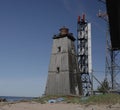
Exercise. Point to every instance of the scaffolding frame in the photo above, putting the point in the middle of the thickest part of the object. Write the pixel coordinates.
(84, 55)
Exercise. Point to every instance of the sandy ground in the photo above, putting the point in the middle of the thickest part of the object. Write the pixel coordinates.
(56, 106)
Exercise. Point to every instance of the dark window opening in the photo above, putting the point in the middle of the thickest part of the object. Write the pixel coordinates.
(58, 69)
(59, 49)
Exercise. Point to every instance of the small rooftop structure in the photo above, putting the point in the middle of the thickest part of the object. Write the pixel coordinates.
(64, 32)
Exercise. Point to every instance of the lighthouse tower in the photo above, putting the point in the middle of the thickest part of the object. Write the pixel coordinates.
(62, 73)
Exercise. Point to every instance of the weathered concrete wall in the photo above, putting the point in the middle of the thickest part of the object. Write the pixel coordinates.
(62, 68)
(58, 84)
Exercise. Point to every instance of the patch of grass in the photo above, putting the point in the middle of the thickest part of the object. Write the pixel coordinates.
(44, 99)
(72, 99)
(67, 99)
(104, 99)
(97, 99)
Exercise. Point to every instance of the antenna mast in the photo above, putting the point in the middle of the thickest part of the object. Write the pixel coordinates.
(84, 54)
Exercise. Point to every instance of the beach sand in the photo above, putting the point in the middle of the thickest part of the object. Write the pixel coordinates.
(56, 106)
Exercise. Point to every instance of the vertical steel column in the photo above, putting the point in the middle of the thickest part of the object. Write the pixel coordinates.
(115, 69)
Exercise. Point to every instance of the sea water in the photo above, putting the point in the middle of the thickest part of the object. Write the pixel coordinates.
(15, 98)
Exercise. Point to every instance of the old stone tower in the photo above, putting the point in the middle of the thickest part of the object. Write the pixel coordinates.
(62, 74)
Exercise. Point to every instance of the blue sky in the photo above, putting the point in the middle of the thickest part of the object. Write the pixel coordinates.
(26, 31)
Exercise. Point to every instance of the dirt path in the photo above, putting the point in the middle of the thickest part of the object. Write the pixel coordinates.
(55, 106)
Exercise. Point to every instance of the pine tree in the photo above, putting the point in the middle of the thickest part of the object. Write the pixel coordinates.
(104, 87)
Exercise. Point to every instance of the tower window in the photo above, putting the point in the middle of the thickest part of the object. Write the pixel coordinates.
(59, 49)
(58, 69)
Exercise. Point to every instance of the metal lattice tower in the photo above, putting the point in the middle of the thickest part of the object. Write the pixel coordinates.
(114, 48)
(112, 69)
(84, 54)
